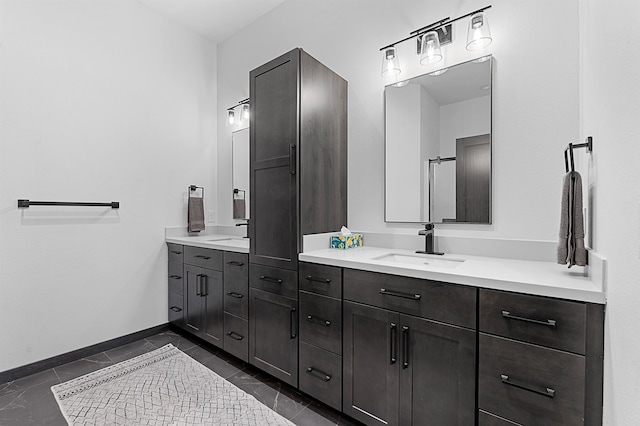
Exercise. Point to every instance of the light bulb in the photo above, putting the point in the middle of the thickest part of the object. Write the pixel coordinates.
(244, 112)
(231, 117)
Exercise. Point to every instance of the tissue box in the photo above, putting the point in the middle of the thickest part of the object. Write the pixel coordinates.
(344, 242)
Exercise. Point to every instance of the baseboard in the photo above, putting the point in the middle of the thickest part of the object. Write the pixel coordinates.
(45, 364)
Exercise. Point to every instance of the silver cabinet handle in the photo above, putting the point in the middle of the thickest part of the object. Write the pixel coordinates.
(549, 323)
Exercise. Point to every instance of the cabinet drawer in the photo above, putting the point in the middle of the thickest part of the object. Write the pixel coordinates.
(321, 321)
(450, 303)
(544, 321)
(205, 258)
(274, 280)
(529, 384)
(321, 279)
(176, 312)
(236, 296)
(236, 332)
(321, 375)
(176, 278)
(236, 265)
(488, 419)
(176, 252)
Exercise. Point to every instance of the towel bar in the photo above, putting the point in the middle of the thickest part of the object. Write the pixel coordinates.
(27, 203)
(568, 159)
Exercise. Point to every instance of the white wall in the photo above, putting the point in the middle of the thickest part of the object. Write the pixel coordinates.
(610, 100)
(535, 95)
(99, 100)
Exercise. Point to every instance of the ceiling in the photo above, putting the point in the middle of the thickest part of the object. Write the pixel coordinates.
(213, 19)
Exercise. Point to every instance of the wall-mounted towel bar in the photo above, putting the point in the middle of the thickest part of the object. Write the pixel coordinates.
(439, 160)
(568, 153)
(27, 203)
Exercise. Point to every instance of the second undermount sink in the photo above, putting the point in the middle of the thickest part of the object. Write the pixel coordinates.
(232, 242)
(417, 259)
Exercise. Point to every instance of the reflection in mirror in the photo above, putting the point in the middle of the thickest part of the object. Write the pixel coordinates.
(240, 173)
(438, 146)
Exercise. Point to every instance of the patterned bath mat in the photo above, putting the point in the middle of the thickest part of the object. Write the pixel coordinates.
(163, 387)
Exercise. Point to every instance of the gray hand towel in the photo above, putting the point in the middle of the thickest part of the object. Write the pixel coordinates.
(195, 214)
(571, 249)
(239, 208)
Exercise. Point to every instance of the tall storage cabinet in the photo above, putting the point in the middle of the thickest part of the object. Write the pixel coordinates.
(298, 137)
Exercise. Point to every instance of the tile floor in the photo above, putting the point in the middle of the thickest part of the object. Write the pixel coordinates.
(29, 401)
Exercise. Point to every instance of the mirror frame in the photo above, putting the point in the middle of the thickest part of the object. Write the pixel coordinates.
(491, 140)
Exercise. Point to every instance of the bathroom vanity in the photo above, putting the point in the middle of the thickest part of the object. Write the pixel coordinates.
(389, 336)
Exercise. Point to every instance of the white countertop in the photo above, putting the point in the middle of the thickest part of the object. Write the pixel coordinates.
(523, 276)
(212, 241)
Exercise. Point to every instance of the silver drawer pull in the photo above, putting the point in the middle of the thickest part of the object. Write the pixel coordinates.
(176, 252)
(175, 277)
(547, 392)
(386, 292)
(236, 295)
(203, 257)
(175, 309)
(549, 323)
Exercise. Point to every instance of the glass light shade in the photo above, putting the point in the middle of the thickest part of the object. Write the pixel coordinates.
(430, 49)
(231, 117)
(390, 63)
(479, 34)
(244, 112)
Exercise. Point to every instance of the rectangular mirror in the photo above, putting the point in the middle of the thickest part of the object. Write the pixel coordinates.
(240, 173)
(438, 146)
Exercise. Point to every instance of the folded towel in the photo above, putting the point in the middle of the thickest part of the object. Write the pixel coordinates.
(571, 249)
(195, 214)
(239, 209)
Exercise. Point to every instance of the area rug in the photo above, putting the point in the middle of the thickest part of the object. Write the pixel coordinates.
(163, 387)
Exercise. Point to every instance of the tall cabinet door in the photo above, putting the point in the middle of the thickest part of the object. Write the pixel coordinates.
(193, 302)
(370, 364)
(437, 374)
(274, 151)
(273, 330)
(212, 294)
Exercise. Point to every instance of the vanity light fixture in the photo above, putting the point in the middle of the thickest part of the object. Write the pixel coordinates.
(231, 117)
(390, 63)
(479, 34)
(244, 112)
(432, 37)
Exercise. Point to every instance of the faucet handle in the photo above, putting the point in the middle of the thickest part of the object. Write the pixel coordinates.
(429, 226)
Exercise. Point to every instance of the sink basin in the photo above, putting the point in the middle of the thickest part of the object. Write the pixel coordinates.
(417, 259)
(231, 242)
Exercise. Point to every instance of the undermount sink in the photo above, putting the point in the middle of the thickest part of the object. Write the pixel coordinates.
(417, 259)
(232, 242)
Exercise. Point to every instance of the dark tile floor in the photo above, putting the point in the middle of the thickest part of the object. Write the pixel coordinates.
(29, 400)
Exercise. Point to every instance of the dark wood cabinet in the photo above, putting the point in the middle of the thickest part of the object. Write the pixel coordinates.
(298, 138)
(404, 370)
(203, 312)
(298, 179)
(273, 334)
(236, 304)
(540, 360)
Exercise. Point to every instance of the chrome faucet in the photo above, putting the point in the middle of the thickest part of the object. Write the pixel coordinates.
(428, 236)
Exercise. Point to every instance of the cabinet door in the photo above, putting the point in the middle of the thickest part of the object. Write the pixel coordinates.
(193, 302)
(212, 295)
(274, 143)
(370, 364)
(437, 374)
(273, 334)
